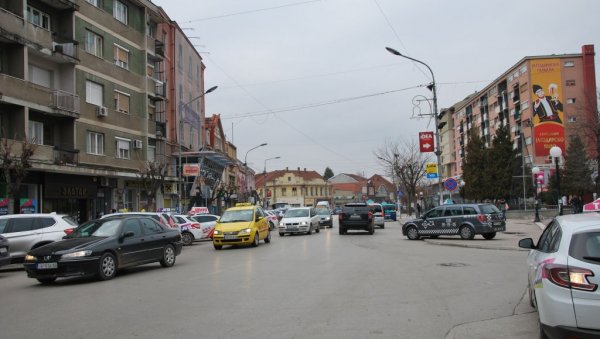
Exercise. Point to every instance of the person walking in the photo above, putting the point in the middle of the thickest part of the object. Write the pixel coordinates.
(575, 204)
(503, 207)
(418, 210)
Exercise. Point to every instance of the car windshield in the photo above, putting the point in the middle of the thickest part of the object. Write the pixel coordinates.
(322, 211)
(237, 216)
(296, 213)
(96, 228)
(179, 219)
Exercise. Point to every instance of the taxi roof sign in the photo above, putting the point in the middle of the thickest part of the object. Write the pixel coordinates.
(242, 204)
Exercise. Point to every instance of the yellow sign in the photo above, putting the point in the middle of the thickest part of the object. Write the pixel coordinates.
(431, 168)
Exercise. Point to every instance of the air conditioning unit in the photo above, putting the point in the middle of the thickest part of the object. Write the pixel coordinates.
(101, 111)
(137, 144)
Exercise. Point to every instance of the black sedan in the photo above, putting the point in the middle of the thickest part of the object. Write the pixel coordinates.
(101, 247)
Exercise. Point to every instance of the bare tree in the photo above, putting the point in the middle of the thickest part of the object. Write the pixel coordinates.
(591, 130)
(15, 166)
(405, 163)
(152, 175)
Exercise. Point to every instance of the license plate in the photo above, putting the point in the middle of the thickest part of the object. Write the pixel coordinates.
(498, 229)
(230, 237)
(2, 250)
(292, 228)
(47, 265)
(497, 223)
(355, 216)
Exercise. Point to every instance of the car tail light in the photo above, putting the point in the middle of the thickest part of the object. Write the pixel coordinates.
(481, 217)
(370, 215)
(341, 216)
(69, 231)
(569, 277)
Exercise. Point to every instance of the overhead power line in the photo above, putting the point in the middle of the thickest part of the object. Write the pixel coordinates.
(251, 11)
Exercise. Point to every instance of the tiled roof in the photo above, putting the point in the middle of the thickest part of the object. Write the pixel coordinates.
(270, 176)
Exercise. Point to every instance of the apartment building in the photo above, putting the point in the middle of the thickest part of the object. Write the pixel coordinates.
(543, 100)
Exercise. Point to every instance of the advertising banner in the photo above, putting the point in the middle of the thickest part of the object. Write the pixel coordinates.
(27, 206)
(546, 105)
(4, 202)
(426, 142)
(191, 170)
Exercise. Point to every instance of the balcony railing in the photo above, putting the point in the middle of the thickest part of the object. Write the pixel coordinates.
(65, 156)
(65, 101)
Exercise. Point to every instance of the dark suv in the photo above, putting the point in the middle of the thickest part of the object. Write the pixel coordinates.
(465, 220)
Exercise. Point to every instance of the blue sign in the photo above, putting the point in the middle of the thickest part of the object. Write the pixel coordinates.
(450, 184)
(432, 175)
(400, 194)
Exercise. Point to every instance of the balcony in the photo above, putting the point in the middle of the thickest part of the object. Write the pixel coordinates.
(159, 48)
(66, 103)
(66, 156)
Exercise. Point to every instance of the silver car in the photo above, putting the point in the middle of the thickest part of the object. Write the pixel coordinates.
(299, 220)
(27, 231)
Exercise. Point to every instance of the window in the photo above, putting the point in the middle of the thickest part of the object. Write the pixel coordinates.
(569, 64)
(294, 191)
(38, 18)
(570, 82)
(95, 143)
(151, 153)
(40, 76)
(523, 69)
(150, 226)
(36, 132)
(283, 192)
(570, 100)
(21, 225)
(93, 2)
(572, 119)
(122, 102)
(120, 11)
(132, 225)
(123, 148)
(525, 104)
(180, 59)
(121, 56)
(93, 43)
(94, 93)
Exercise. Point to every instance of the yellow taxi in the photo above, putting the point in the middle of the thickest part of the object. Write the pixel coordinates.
(244, 224)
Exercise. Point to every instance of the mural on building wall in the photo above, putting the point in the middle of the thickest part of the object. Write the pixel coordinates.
(547, 108)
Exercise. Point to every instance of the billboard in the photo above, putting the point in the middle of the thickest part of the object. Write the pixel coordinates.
(546, 105)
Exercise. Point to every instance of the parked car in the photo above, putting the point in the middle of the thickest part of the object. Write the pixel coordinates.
(378, 215)
(4, 251)
(207, 224)
(325, 217)
(244, 224)
(465, 220)
(190, 229)
(356, 216)
(273, 219)
(27, 231)
(103, 246)
(563, 276)
(299, 220)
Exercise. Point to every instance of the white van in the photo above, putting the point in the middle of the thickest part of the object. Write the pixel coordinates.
(323, 204)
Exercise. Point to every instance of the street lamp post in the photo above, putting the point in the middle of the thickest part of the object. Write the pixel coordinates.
(265, 180)
(556, 152)
(246, 166)
(432, 87)
(180, 137)
(536, 171)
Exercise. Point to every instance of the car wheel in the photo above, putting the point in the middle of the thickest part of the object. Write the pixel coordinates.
(187, 238)
(46, 281)
(107, 267)
(466, 233)
(543, 334)
(268, 238)
(218, 247)
(318, 229)
(531, 293)
(309, 232)
(281, 234)
(412, 233)
(271, 226)
(168, 259)
(382, 226)
(256, 240)
(371, 229)
(489, 236)
(342, 229)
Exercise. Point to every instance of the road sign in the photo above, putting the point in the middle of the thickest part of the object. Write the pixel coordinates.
(431, 167)
(426, 142)
(450, 184)
(432, 175)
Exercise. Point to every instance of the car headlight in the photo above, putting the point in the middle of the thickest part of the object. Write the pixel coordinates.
(246, 230)
(303, 223)
(327, 218)
(217, 232)
(77, 254)
(30, 257)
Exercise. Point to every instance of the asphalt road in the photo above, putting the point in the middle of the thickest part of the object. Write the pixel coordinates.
(307, 286)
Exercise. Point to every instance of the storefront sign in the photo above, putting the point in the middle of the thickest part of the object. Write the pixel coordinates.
(4, 202)
(191, 170)
(27, 206)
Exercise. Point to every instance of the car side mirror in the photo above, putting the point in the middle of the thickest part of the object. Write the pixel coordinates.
(527, 243)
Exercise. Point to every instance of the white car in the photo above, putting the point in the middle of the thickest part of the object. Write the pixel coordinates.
(273, 219)
(299, 220)
(378, 215)
(563, 277)
(207, 225)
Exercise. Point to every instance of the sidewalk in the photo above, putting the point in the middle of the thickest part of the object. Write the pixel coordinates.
(516, 229)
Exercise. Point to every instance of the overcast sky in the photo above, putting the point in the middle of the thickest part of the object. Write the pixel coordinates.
(312, 78)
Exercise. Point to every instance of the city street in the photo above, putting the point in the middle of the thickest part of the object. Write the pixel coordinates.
(307, 286)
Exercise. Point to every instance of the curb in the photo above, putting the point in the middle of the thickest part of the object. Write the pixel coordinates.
(482, 247)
